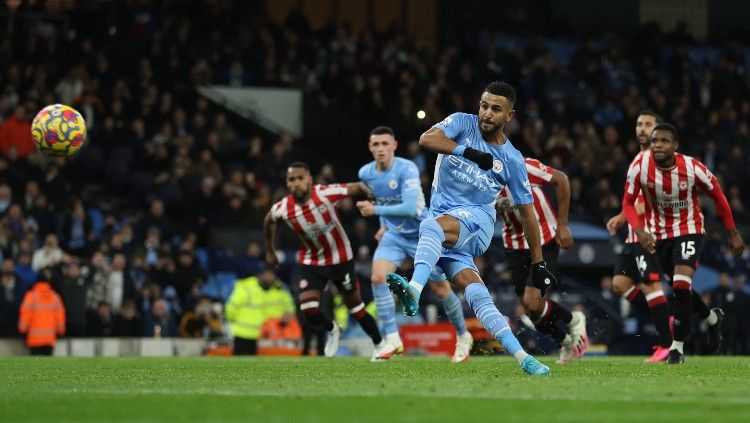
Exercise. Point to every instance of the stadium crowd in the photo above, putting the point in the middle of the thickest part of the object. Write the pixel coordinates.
(124, 230)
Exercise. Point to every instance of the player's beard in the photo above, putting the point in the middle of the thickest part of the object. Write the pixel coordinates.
(300, 196)
(489, 133)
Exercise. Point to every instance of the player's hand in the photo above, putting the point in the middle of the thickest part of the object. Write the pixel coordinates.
(272, 259)
(482, 159)
(542, 277)
(366, 208)
(564, 237)
(614, 223)
(736, 245)
(379, 234)
(646, 240)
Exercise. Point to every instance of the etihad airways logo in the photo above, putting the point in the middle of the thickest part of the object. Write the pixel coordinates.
(468, 172)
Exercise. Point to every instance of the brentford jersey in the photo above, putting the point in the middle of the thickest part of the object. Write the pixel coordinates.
(632, 238)
(513, 236)
(318, 225)
(671, 195)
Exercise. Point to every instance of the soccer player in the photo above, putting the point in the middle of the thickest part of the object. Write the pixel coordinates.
(554, 232)
(648, 294)
(670, 183)
(396, 186)
(325, 253)
(475, 161)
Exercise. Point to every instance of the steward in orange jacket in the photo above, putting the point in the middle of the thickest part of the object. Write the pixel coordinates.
(42, 318)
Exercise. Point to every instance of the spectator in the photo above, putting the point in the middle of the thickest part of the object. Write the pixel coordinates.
(15, 135)
(159, 323)
(11, 294)
(72, 285)
(42, 318)
(127, 323)
(201, 321)
(48, 255)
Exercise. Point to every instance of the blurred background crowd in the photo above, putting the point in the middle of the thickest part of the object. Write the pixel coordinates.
(140, 229)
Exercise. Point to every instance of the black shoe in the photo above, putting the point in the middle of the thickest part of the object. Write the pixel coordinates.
(714, 331)
(675, 357)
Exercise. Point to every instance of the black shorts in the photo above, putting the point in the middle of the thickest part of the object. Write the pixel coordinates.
(680, 251)
(627, 261)
(316, 277)
(519, 263)
(683, 250)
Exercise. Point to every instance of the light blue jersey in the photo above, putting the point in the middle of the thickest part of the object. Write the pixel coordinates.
(459, 182)
(462, 190)
(398, 194)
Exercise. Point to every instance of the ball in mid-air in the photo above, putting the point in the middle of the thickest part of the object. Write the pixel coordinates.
(58, 130)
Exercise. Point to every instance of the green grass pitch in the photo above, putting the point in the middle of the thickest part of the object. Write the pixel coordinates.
(416, 389)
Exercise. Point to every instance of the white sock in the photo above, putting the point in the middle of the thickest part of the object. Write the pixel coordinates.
(520, 355)
(712, 318)
(574, 320)
(677, 345)
(417, 287)
(567, 340)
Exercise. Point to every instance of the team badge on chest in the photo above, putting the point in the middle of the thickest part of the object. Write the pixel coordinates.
(393, 184)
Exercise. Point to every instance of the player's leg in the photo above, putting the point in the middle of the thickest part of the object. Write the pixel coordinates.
(343, 276)
(391, 251)
(496, 324)
(626, 276)
(649, 277)
(313, 282)
(455, 313)
(434, 234)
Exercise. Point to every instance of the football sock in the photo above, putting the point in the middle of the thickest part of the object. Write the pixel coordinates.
(429, 249)
(699, 307)
(495, 323)
(558, 312)
(677, 345)
(314, 316)
(386, 307)
(635, 296)
(547, 322)
(681, 286)
(454, 311)
(367, 322)
(657, 303)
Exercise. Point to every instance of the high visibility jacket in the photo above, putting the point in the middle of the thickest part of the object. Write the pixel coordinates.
(42, 316)
(244, 308)
(278, 301)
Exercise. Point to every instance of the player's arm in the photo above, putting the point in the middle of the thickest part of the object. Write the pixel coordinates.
(562, 191)
(269, 229)
(358, 190)
(632, 188)
(710, 185)
(439, 139)
(541, 277)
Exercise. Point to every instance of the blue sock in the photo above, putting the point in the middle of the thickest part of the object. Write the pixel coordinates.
(429, 250)
(455, 312)
(495, 323)
(386, 307)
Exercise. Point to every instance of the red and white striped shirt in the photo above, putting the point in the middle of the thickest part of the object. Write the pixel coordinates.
(632, 238)
(672, 205)
(318, 225)
(513, 236)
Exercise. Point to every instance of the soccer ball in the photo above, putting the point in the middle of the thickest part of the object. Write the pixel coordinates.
(58, 130)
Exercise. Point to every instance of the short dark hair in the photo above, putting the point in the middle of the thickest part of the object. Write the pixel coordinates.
(666, 127)
(502, 88)
(380, 130)
(300, 164)
(649, 112)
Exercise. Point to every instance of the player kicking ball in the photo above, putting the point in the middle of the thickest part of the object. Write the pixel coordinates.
(475, 160)
(400, 204)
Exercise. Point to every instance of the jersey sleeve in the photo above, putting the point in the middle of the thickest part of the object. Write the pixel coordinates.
(410, 189)
(453, 126)
(277, 211)
(706, 181)
(333, 192)
(632, 192)
(539, 173)
(518, 181)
